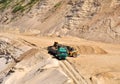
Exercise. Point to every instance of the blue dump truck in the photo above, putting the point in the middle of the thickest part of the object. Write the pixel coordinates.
(61, 51)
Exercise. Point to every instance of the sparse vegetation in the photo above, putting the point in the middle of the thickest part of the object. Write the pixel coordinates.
(31, 3)
(58, 4)
(21, 8)
(18, 8)
(3, 1)
(4, 4)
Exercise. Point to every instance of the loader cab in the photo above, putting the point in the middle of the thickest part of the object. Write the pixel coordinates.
(62, 53)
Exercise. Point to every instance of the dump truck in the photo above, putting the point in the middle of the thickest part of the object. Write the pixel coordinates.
(62, 51)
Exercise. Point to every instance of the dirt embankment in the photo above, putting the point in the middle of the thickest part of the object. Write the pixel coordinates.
(90, 19)
(94, 20)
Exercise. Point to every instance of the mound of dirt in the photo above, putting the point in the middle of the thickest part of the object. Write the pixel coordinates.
(84, 49)
(106, 78)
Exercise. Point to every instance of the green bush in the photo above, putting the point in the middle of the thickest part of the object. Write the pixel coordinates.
(18, 8)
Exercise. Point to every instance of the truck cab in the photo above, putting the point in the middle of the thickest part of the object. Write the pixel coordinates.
(62, 53)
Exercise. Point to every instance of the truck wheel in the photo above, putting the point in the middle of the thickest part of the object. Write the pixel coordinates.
(59, 58)
(64, 58)
(74, 54)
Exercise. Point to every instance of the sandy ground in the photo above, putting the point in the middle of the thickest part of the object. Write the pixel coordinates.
(98, 63)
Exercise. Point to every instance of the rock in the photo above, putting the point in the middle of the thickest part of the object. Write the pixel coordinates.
(2, 64)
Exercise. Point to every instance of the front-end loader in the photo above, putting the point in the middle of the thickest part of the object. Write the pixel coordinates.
(61, 51)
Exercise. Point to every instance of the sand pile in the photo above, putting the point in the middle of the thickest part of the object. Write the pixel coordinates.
(88, 49)
(106, 78)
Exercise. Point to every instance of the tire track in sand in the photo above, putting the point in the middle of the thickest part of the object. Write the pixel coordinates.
(72, 73)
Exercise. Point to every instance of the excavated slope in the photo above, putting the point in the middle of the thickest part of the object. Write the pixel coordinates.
(89, 19)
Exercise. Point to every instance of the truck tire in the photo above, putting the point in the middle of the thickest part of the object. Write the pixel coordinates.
(74, 54)
(59, 58)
